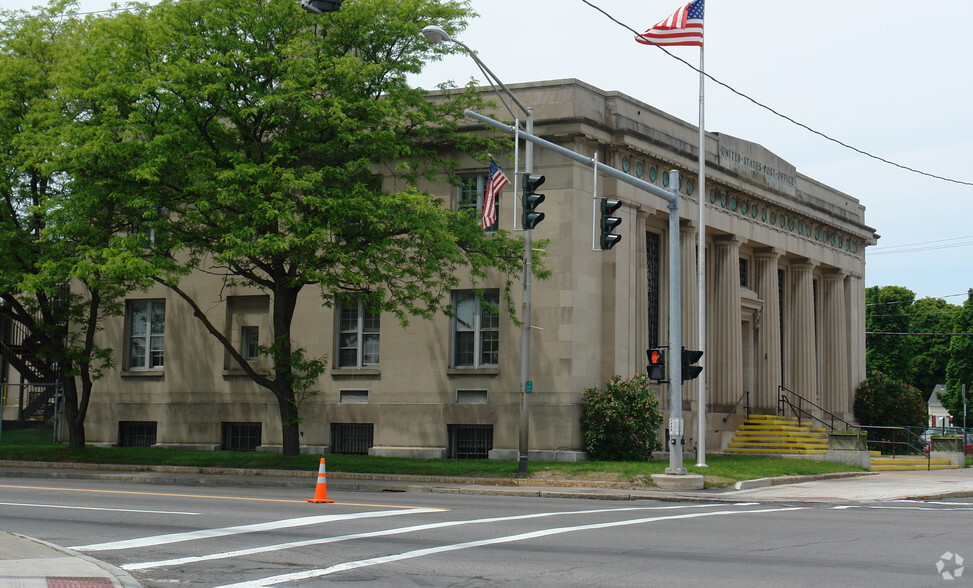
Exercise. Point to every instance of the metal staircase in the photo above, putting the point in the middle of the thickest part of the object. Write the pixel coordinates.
(20, 350)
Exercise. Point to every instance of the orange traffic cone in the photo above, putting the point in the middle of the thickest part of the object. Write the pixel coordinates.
(321, 491)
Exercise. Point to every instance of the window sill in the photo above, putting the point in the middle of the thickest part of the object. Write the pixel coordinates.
(344, 372)
(482, 371)
(239, 373)
(143, 373)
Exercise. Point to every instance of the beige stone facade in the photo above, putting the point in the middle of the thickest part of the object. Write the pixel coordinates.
(784, 302)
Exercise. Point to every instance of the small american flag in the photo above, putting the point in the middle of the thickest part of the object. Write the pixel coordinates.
(495, 182)
(682, 27)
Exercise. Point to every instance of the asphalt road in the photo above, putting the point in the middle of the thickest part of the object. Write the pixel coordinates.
(218, 536)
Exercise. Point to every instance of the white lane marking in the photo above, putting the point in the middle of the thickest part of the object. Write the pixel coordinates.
(937, 502)
(385, 532)
(224, 531)
(69, 507)
(309, 574)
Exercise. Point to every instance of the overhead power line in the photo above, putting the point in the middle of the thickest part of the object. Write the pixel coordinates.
(912, 301)
(779, 114)
(115, 10)
(923, 246)
(929, 334)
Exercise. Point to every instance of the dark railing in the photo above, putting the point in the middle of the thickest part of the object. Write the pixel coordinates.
(745, 401)
(803, 409)
(20, 350)
(899, 441)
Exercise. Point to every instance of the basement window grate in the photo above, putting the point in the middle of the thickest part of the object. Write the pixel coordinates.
(469, 441)
(136, 433)
(352, 438)
(240, 436)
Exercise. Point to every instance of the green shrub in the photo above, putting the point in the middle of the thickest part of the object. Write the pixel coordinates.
(882, 401)
(620, 420)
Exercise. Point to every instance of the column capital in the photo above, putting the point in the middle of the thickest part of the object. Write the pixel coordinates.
(803, 263)
(835, 273)
(727, 240)
(768, 253)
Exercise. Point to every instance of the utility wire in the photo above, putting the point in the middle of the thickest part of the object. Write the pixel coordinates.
(779, 114)
(929, 334)
(911, 301)
(126, 8)
(923, 246)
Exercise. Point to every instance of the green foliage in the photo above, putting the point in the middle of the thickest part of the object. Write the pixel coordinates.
(909, 340)
(882, 401)
(269, 148)
(620, 421)
(887, 316)
(931, 352)
(959, 371)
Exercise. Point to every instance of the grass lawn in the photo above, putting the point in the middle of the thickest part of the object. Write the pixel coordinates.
(36, 445)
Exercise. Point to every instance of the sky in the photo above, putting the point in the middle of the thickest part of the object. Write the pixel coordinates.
(884, 76)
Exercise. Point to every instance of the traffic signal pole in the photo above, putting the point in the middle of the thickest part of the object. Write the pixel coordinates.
(676, 422)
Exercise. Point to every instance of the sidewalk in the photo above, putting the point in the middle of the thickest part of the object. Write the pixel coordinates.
(28, 563)
(31, 563)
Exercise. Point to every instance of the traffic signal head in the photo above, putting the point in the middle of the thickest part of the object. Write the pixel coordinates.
(690, 371)
(532, 199)
(609, 222)
(657, 364)
(320, 6)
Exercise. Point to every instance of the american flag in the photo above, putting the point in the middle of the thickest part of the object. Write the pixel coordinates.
(495, 182)
(682, 27)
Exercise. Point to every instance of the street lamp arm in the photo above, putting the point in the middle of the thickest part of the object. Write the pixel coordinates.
(436, 34)
(492, 75)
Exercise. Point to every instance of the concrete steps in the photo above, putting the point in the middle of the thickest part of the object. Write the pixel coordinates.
(888, 463)
(777, 435)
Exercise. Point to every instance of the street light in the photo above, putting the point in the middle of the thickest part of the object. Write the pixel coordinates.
(436, 34)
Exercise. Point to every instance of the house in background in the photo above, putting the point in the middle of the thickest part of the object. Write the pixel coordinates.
(938, 416)
(785, 300)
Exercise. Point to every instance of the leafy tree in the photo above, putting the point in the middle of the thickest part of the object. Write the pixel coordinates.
(620, 421)
(930, 352)
(254, 134)
(959, 371)
(47, 240)
(885, 402)
(887, 317)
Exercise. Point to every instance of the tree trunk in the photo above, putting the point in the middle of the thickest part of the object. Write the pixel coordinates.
(290, 427)
(72, 415)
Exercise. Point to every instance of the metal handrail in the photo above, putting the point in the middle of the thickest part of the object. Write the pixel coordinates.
(745, 398)
(908, 442)
(799, 410)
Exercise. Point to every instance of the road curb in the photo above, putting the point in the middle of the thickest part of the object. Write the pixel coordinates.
(217, 476)
(780, 480)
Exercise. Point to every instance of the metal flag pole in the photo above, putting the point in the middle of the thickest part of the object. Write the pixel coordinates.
(701, 277)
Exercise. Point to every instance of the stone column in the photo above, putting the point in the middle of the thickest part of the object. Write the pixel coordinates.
(768, 361)
(724, 340)
(855, 288)
(834, 343)
(800, 370)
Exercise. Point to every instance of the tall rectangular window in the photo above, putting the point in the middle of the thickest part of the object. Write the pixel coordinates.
(358, 334)
(653, 262)
(146, 324)
(250, 340)
(476, 329)
(470, 195)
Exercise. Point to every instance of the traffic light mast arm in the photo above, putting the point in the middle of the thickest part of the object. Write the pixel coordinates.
(672, 198)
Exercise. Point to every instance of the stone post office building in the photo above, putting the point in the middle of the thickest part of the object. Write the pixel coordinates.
(785, 295)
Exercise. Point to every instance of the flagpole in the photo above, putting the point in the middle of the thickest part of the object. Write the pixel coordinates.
(701, 276)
